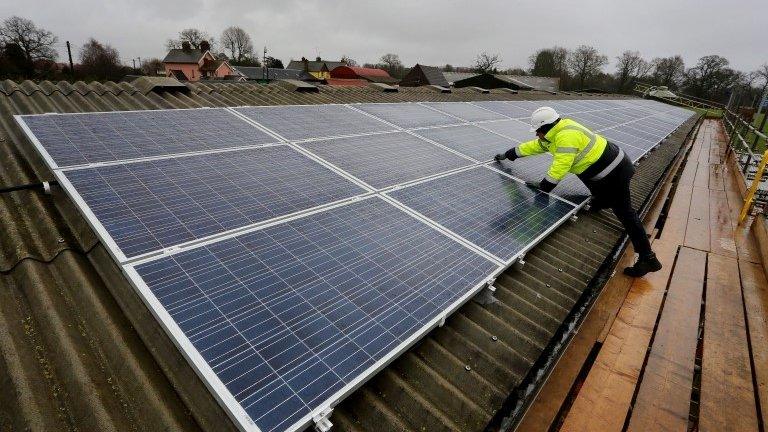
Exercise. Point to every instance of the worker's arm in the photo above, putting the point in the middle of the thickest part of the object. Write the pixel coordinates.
(528, 148)
(564, 156)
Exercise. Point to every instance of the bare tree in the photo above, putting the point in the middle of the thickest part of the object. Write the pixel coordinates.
(100, 61)
(152, 66)
(668, 71)
(585, 62)
(762, 75)
(630, 66)
(192, 36)
(238, 43)
(391, 61)
(36, 43)
(486, 63)
(348, 61)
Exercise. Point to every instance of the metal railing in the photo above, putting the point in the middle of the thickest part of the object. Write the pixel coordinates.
(748, 145)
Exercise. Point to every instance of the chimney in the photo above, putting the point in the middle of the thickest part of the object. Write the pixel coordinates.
(318, 59)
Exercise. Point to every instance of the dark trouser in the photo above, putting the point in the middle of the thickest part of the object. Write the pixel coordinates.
(612, 192)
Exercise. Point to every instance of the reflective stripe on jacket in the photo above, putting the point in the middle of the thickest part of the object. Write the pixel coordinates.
(574, 148)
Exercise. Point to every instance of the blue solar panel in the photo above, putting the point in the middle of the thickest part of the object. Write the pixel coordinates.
(150, 205)
(498, 214)
(75, 139)
(514, 129)
(290, 315)
(506, 108)
(408, 115)
(313, 121)
(387, 159)
(466, 111)
(469, 140)
(534, 168)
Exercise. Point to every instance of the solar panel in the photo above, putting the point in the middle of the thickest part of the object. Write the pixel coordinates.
(150, 205)
(408, 115)
(463, 110)
(388, 159)
(313, 121)
(286, 319)
(507, 109)
(286, 284)
(512, 129)
(75, 139)
(469, 140)
(617, 135)
(634, 153)
(501, 215)
(534, 168)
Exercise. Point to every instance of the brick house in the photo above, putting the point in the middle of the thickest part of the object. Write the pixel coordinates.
(195, 64)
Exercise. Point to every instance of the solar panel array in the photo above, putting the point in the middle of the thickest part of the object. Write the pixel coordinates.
(293, 251)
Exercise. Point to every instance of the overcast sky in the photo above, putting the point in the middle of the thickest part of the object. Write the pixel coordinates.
(433, 32)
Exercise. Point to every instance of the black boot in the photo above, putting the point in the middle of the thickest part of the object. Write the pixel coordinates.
(643, 265)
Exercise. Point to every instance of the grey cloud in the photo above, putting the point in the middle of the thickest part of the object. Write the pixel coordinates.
(427, 31)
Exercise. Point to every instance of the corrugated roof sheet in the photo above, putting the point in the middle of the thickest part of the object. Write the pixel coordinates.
(80, 351)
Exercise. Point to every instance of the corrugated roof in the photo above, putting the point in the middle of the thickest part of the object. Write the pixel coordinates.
(80, 351)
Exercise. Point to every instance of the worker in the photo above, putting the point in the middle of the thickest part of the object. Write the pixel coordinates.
(601, 165)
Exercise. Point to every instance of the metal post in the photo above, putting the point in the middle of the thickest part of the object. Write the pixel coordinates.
(71, 65)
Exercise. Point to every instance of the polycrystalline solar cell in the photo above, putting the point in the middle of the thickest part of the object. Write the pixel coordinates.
(74, 139)
(313, 121)
(591, 120)
(512, 129)
(634, 153)
(469, 140)
(466, 111)
(534, 168)
(508, 109)
(150, 205)
(408, 115)
(651, 136)
(387, 159)
(289, 315)
(496, 213)
(617, 136)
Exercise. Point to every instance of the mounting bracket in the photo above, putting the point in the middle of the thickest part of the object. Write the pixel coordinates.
(486, 296)
(322, 420)
(518, 265)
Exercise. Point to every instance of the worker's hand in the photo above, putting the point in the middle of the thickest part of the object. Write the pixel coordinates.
(499, 157)
(532, 185)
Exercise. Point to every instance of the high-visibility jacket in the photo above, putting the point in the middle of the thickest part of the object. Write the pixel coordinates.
(574, 149)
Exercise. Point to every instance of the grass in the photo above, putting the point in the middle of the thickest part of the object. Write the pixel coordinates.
(761, 144)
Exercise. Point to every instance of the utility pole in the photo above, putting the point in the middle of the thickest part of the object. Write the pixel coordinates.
(134, 65)
(264, 63)
(71, 65)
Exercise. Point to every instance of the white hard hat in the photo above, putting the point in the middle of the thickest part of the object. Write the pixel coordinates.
(542, 116)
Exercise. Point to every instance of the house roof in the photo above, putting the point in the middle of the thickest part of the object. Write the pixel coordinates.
(178, 55)
(452, 77)
(421, 75)
(212, 65)
(257, 73)
(368, 74)
(314, 65)
(80, 350)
